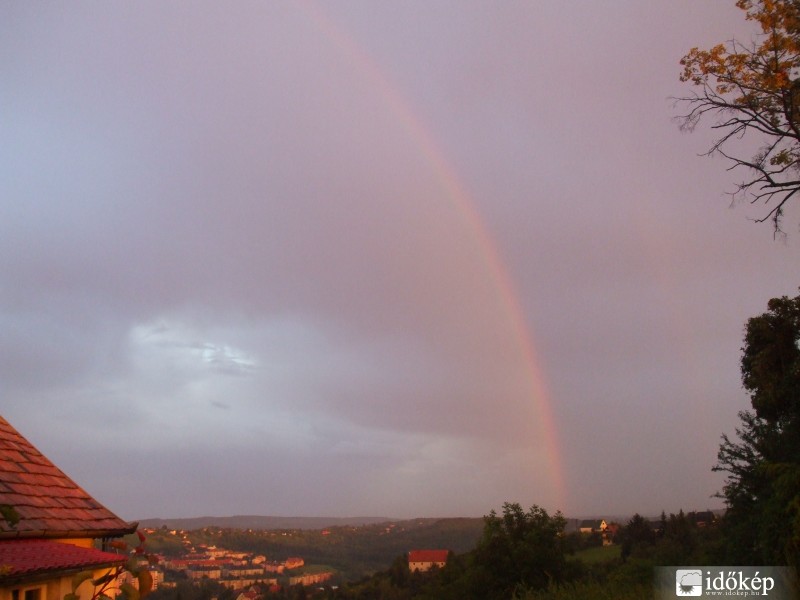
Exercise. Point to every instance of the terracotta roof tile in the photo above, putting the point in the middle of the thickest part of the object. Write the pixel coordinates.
(12, 455)
(37, 502)
(48, 502)
(12, 499)
(33, 557)
(25, 489)
(71, 502)
(39, 459)
(42, 469)
(427, 556)
(14, 467)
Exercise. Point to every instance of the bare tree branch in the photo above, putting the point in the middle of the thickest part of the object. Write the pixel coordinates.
(753, 91)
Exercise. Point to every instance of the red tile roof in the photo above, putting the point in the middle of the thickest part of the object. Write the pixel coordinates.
(28, 558)
(433, 556)
(48, 502)
(179, 564)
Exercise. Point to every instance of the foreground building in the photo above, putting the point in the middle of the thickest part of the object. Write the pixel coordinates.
(50, 527)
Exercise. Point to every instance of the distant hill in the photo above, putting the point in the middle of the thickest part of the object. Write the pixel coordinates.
(261, 522)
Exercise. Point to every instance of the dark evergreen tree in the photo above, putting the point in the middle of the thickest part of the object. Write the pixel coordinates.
(762, 490)
(637, 537)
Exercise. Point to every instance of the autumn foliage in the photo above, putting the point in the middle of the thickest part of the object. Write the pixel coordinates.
(111, 583)
(752, 89)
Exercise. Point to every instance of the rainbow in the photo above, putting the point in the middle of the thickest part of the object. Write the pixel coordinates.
(458, 195)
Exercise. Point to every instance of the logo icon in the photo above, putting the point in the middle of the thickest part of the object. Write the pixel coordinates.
(688, 582)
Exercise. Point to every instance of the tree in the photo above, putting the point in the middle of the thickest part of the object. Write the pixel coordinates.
(112, 583)
(762, 489)
(678, 541)
(520, 550)
(637, 537)
(9, 514)
(753, 90)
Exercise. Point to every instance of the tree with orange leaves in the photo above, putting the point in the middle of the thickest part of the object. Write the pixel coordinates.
(114, 583)
(752, 90)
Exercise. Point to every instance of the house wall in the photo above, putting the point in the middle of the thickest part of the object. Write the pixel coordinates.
(310, 578)
(424, 566)
(52, 588)
(80, 542)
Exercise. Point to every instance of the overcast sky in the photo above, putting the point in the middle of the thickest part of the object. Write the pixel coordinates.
(356, 258)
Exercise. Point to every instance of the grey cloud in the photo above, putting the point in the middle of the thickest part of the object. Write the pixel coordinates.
(234, 224)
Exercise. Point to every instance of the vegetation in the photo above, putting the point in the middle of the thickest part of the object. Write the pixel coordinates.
(526, 556)
(354, 551)
(9, 514)
(519, 549)
(205, 589)
(762, 490)
(111, 583)
(593, 591)
(599, 554)
(752, 90)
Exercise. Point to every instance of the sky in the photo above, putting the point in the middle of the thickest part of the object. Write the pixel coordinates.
(373, 259)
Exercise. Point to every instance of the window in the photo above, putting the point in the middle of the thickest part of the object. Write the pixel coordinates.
(28, 594)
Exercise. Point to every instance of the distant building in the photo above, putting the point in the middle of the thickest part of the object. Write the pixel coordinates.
(244, 572)
(294, 562)
(240, 584)
(251, 594)
(424, 560)
(156, 575)
(200, 573)
(197, 564)
(656, 525)
(274, 567)
(311, 578)
(592, 526)
(702, 518)
(610, 534)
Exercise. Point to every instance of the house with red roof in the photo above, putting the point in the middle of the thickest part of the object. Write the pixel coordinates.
(50, 529)
(425, 560)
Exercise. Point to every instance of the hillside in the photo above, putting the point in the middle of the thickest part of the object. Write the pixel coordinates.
(354, 550)
(260, 522)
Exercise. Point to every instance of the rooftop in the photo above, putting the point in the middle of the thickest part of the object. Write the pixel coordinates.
(49, 504)
(29, 558)
(427, 556)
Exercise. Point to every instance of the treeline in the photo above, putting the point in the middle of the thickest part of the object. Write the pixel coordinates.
(526, 555)
(519, 554)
